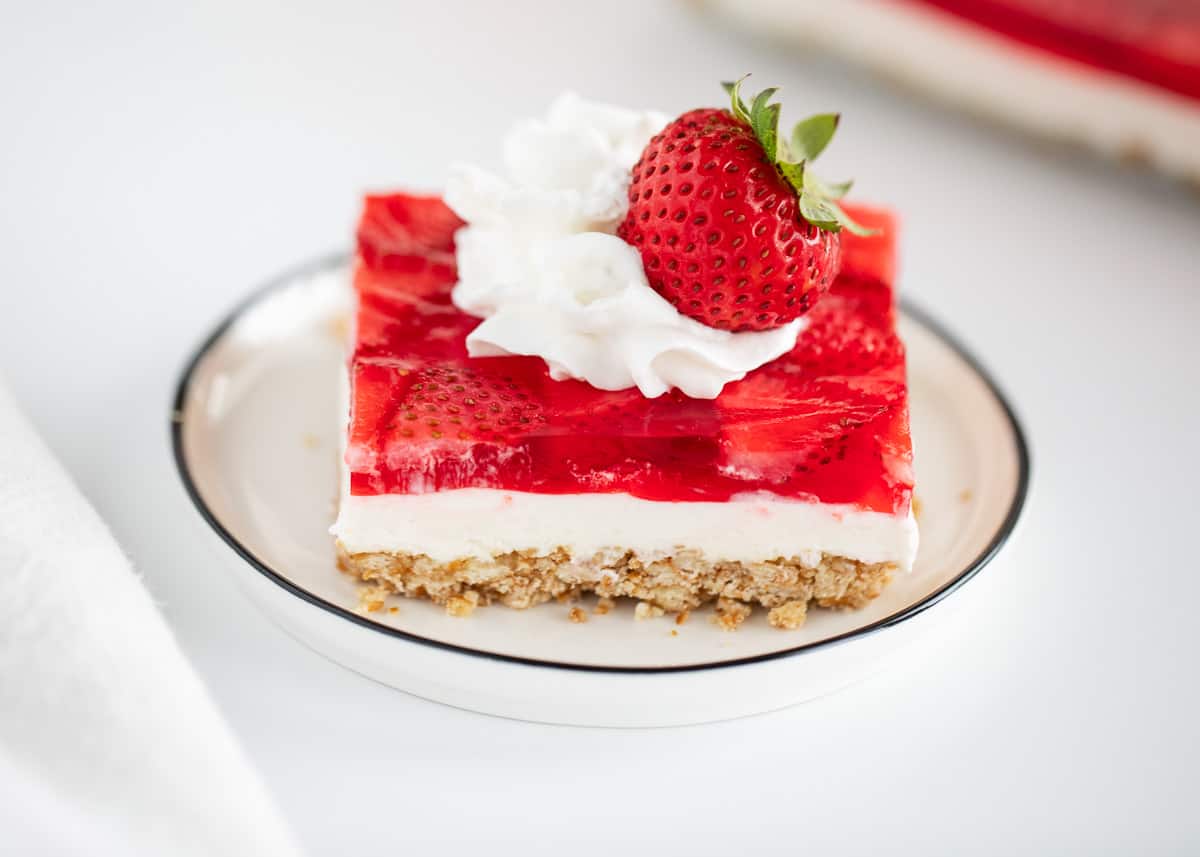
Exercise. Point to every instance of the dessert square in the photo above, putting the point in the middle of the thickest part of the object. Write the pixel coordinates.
(483, 479)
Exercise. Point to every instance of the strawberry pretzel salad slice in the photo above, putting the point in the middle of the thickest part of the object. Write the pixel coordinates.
(654, 359)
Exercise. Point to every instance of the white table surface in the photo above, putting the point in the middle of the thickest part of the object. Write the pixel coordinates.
(160, 160)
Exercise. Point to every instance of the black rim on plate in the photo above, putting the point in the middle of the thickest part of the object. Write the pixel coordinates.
(338, 260)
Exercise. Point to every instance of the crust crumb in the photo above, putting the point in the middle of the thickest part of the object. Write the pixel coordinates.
(730, 614)
(674, 633)
(462, 606)
(681, 617)
(1134, 153)
(789, 616)
(393, 609)
(646, 610)
(965, 496)
(371, 599)
(339, 327)
(577, 616)
(604, 606)
(917, 508)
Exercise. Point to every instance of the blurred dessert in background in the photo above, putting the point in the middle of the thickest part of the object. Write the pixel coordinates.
(1120, 76)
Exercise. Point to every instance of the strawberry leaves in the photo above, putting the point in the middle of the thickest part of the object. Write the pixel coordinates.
(734, 88)
(764, 119)
(819, 211)
(809, 138)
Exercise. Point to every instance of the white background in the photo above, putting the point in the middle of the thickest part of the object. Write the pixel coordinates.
(158, 161)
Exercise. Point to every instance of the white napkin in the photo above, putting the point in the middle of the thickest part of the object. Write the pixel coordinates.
(109, 743)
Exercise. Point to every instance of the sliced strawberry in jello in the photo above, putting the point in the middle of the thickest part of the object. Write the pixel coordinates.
(444, 424)
(826, 422)
(397, 231)
(403, 278)
(872, 257)
(653, 448)
(823, 439)
(845, 339)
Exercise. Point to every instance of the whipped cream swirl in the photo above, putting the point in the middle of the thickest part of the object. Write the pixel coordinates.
(540, 263)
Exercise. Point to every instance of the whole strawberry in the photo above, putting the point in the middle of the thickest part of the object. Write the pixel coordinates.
(733, 228)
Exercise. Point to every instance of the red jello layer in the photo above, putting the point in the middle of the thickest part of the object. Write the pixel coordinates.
(1154, 41)
(828, 421)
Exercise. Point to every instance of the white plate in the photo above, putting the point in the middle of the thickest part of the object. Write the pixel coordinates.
(255, 431)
